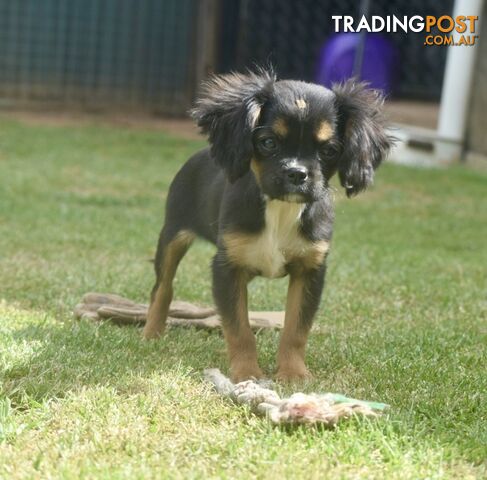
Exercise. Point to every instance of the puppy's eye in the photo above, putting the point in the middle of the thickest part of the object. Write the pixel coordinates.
(268, 144)
(327, 150)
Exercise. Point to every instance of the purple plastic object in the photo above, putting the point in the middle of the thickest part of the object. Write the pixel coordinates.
(379, 64)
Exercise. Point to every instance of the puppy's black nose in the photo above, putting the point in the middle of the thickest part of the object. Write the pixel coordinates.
(297, 175)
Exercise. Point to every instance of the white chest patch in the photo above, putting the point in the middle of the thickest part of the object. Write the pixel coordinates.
(279, 242)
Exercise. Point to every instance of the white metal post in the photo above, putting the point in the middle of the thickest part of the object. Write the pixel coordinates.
(457, 80)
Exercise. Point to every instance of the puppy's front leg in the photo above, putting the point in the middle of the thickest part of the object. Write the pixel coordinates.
(303, 298)
(230, 294)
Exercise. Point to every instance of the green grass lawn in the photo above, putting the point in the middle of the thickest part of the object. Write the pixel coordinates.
(402, 321)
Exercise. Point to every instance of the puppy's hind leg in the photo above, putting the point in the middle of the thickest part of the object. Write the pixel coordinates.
(170, 251)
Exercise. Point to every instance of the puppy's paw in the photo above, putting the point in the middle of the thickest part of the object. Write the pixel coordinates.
(293, 373)
(152, 333)
(242, 372)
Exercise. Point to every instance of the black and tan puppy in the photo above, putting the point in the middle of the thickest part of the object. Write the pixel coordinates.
(261, 195)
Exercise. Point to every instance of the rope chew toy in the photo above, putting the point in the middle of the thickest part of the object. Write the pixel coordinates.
(311, 409)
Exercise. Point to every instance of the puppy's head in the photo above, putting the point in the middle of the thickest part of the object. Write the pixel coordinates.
(293, 135)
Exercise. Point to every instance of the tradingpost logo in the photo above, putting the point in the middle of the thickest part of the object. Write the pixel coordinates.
(444, 27)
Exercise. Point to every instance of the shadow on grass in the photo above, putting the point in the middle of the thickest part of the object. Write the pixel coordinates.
(65, 357)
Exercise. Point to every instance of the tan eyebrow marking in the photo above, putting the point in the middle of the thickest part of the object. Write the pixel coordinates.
(301, 104)
(280, 127)
(255, 116)
(324, 131)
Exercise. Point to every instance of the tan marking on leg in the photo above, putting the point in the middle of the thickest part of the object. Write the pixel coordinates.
(162, 297)
(324, 131)
(316, 255)
(279, 127)
(236, 247)
(241, 346)
(292, 346)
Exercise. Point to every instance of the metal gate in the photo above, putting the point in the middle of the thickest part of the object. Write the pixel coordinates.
(289, 34)
(98, 53)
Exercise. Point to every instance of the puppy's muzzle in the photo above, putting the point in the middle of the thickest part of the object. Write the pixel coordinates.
(297, 175)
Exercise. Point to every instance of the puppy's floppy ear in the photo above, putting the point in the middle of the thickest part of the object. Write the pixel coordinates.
(227, 109)
(361, 127)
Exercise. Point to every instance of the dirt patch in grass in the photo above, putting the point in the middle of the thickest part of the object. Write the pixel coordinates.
(182, 127)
